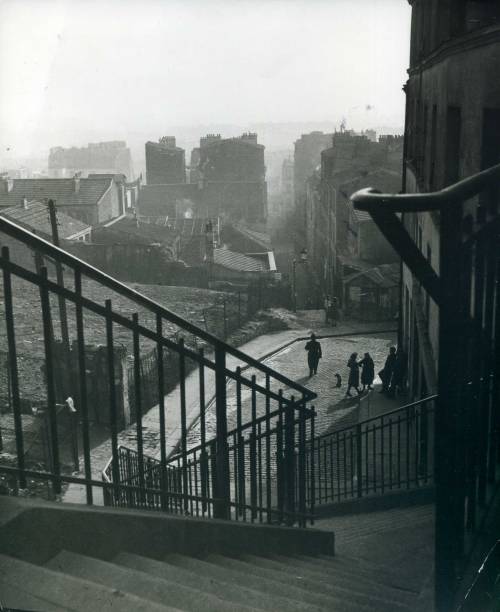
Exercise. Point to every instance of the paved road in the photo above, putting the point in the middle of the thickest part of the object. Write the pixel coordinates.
(331, 406)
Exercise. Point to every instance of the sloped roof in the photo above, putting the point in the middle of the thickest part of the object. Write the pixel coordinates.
(238, 261)
(35, 217)
(62, 191)
(137, 231)
(384, 276)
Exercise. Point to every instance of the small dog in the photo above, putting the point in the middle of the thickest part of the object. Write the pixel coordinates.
(338, 381)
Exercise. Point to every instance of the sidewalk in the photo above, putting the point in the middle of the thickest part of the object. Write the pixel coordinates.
(330, 405)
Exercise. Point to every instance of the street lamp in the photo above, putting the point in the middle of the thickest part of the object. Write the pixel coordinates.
(302, 259)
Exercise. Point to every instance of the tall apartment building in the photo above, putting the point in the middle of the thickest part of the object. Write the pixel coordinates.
(307, 157)
(233, 174)
(165, 162)
(111, 157)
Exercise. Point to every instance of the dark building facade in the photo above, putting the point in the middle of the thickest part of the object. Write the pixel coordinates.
(452, 131)
(334, 233)
(306, 158)
(165, 162)
(233, 175)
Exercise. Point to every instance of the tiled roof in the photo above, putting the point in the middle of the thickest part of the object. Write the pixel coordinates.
(238, 261)
(90, 191)
(385, 276)
(35, 217)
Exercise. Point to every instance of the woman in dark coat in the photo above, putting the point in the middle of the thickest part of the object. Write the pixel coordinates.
(313, 348)
(368, 371)
(353, 381)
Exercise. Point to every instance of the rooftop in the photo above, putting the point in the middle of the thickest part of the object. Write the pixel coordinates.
(238, 261)
(34, 216)
(66, 192)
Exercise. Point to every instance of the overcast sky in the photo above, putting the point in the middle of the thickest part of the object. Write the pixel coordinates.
(81, 70)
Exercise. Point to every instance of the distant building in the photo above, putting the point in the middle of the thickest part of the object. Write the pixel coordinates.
(92, 200)
(232, 173)
(333, 230)
(109, 157)
(174, 200)
(165, 162)
(307, 157)
(287, 194)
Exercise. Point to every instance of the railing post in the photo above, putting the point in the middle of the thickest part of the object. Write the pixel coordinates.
(221, 506)
(359, 460)
(449, 496)
(290, 462)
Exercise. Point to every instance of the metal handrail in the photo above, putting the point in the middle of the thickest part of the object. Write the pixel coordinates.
(370, 199)
(424, 400)
(62, 256)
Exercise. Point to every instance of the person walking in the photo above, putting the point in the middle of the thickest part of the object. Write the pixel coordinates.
(313, 348)
(328, 308)
(353, 380)
(368, 371)
(388, 370)
(399, 373)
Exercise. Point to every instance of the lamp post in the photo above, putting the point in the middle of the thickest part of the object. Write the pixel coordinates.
(302, 259)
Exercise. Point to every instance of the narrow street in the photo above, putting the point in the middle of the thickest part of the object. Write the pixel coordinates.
(332, 408)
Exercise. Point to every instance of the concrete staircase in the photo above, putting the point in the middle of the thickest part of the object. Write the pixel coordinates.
(142, 561)
(215, 583)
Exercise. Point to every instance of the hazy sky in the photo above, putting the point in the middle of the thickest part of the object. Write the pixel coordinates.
(73, 71)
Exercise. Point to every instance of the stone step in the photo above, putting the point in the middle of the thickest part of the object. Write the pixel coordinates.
(317, 587)
(152, 588)
(224, 590)
(293, 599)
(67, 592)
(12, 597)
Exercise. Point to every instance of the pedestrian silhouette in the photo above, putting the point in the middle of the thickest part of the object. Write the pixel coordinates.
(368, 371)
(313, 348)
(353, 380)
(388, 370)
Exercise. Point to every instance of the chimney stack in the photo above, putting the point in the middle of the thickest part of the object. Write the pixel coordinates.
(6, 184)
(76, 182)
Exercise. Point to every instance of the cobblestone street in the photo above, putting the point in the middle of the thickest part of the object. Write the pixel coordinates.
(332, 409)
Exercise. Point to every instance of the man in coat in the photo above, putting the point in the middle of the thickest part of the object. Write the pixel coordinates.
(313, 348)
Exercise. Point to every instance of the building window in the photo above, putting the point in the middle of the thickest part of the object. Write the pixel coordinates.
(452, 159)
(490, 149)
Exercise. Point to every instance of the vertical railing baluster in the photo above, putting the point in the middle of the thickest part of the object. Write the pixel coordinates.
(13, 369)
(49, 374)
(161, 410)
(351, 459)
(399, 451)
(332, 470)
(222, 507)
(382, 455)
(82, 379)
(302, 463)
(337, 451)
(205, 491)
(241, 445)
(259, 468)
(138, 407)
(359, 461)
(268, 448)
(374, 455)
(344, 446)
(313, 467)
(390, 453)
(112, 398)
(407, 416)
(280, 477)
(290, 461)
(182, 387)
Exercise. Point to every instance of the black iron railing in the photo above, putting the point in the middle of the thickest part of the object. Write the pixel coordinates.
(467, 415)
(389, 452)
(90, 307)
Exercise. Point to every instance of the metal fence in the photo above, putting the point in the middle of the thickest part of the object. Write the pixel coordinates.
(143, 326)
(390, 452)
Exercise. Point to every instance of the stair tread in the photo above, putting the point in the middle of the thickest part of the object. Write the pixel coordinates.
(293, 599)
(70, 593)
(224, 590)
(12, 597)
(355, 569)
(318, 587)
(149, 587)
(338, 579)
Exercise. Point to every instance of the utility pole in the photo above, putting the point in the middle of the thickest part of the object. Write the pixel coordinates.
(63, 315)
